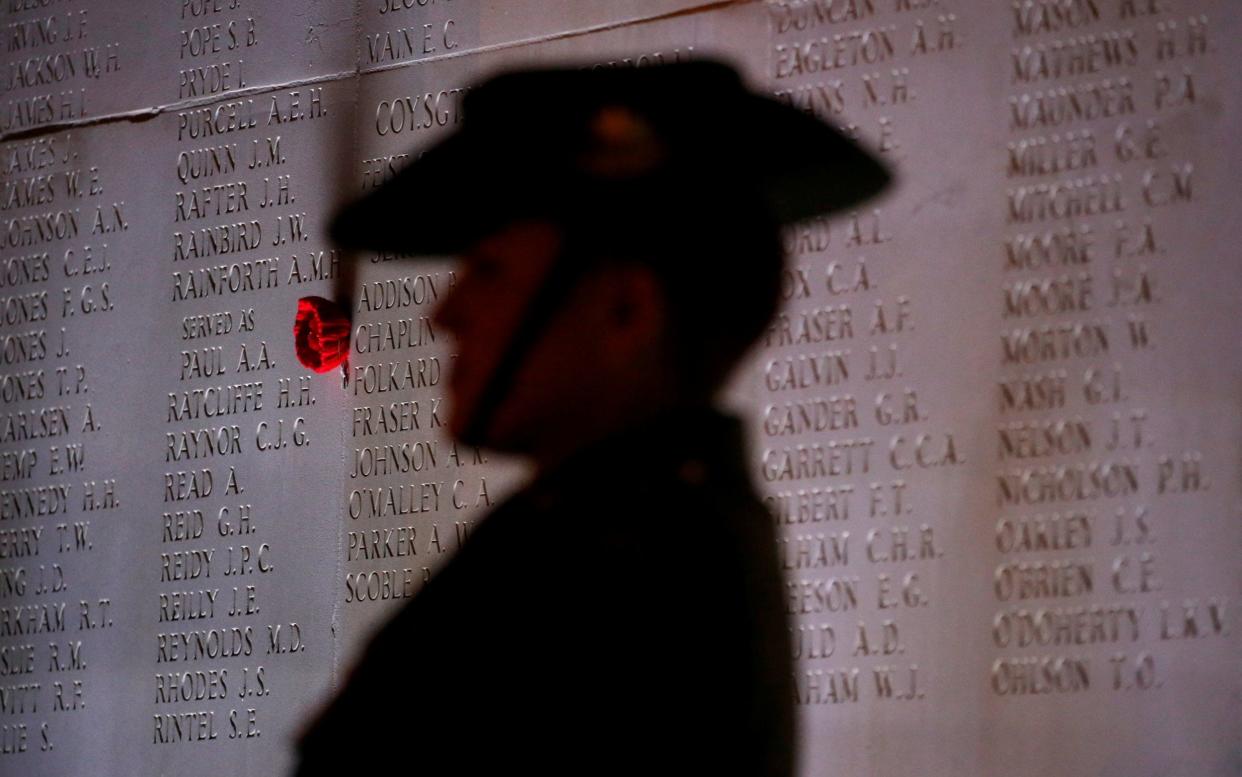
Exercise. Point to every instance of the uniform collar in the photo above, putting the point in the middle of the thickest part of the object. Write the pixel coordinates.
(692, 444)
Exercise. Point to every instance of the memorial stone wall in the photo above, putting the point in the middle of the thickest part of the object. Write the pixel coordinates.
(997, 419)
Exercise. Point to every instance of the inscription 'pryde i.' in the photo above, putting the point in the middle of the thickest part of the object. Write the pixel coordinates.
(995, 420)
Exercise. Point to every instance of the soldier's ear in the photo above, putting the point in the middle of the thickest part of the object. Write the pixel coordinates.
(636, 308)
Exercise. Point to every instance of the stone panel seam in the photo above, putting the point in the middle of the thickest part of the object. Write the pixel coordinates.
(148, 113)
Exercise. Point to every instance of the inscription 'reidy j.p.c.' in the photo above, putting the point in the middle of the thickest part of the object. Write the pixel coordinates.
(995, 420)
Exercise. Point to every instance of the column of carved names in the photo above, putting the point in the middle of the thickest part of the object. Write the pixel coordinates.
(847, 437)
(51, 57)
(63, 228)
(1091, 476)
(240, 251)
(412, 493)
(59, 493)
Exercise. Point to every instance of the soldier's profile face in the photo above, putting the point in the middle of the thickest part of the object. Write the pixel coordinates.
(496, 278)
(596, 354)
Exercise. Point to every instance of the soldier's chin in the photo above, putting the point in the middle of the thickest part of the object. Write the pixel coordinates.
(460, 427)
(465, 428)
(493, 434)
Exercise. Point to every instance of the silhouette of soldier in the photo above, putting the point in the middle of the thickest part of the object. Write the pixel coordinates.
(624, 613)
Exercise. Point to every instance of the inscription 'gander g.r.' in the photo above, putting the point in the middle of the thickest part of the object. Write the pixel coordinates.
(821, 414)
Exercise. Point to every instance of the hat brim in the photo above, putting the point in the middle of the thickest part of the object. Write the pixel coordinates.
(807, 168)
(463, 188)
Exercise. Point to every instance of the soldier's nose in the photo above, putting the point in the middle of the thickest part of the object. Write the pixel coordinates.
(447, 314)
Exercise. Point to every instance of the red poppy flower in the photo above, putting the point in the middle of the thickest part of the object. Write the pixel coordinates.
(320, 333)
